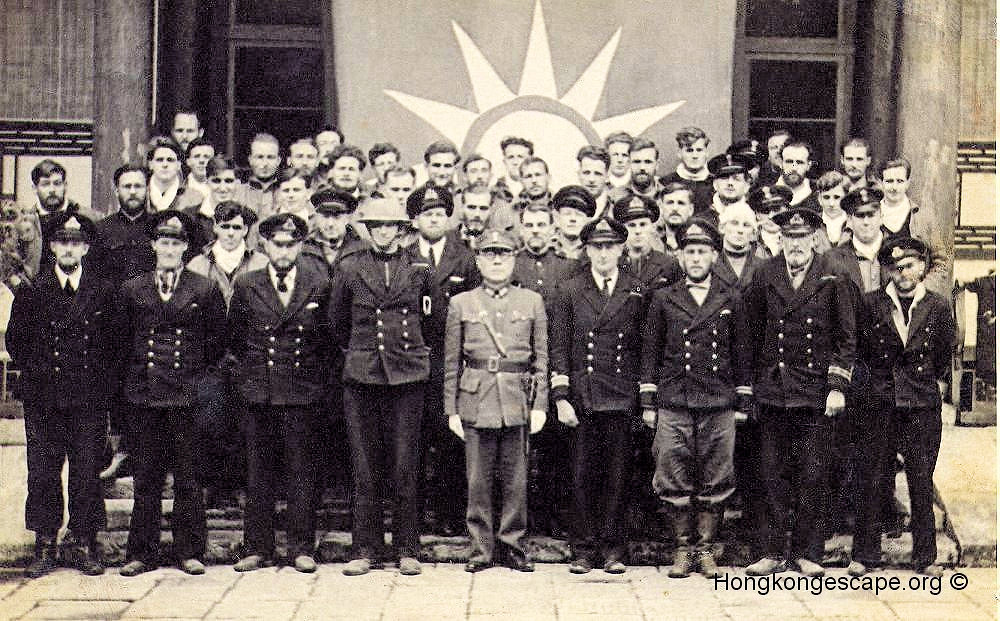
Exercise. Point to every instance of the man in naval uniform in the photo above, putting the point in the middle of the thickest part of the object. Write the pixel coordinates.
(596, 334)
(802, 326)
(174, 325)
(62, 334)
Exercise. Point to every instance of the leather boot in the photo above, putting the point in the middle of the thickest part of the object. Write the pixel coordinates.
(46, 555)
(682, 554)
(83, 554)
(705, 556)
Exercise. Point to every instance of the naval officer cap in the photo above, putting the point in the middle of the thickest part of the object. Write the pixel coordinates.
(729, 164)
(171, 223)
(428, 197)
(65, 226)
(901, 248)
(604, 231)
(699, 231)
(770, 198)
(862, 200)
(634, 207)
(284, 227)
(334, 202)
(798, 221)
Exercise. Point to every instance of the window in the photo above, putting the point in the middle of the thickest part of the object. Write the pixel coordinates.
(793, 70)
(275, 71)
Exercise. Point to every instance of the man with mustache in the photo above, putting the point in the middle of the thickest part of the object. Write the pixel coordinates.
(62, 334)
(796, 162)
(731, 180)
(643, 157)
(802, 326)
(48, 180)
(676, 202)
(573, 206)
(856, 159)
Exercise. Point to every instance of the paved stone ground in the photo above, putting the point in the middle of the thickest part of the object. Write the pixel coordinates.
(447, 592)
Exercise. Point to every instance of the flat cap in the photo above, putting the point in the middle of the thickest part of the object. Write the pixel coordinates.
(383, 210)
(495, 239)
(575, 197)
(334, 202)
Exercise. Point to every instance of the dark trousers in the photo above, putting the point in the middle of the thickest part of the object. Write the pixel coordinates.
(549, 478)
(53, 436)
(443, 458)
(918, 433)
(165, 439)
(275, 432)
(694, 458)
(750, 486)
(601, 450)
(873, 427)
(219, 418)
(488, 453)
(383, 430)
(795, 448)
(848, 431)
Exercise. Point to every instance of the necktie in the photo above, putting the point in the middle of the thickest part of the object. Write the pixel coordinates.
(433, 256)
(282, 286)
(166, 282)
(69, 288)
(608, 291)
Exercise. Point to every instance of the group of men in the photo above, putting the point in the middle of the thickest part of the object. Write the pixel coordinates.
(725, 327)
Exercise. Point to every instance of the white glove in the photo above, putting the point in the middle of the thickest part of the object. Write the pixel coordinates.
(739, 417)
(649, 418)
(455, 424)
(942, 388)
(834, 403)
(537, 421)
(566, 413)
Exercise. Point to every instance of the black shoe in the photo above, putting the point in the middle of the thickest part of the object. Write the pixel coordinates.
(84, 558)
(477, 566)
(45, 558)
(520, 563)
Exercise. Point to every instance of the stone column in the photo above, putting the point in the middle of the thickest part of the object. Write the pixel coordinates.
(122, 89)
(928, 122)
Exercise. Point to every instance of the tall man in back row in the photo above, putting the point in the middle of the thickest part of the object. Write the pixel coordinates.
(803, 333)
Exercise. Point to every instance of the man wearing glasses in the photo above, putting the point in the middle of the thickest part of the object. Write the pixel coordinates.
(495, 384)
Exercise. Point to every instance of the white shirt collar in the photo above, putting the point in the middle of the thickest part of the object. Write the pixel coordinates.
(687, 175)
(73, 278)
(718, 204)
(868, 251)
(289, 278)
(425, 247)
(162, 200)
(834, 226)
(902, 322)
(600, 280)
(228, 260)
(894, 216)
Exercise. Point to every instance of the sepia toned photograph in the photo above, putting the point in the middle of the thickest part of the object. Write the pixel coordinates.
(495, 310)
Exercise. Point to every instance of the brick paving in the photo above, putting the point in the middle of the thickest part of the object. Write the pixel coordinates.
(444, 592)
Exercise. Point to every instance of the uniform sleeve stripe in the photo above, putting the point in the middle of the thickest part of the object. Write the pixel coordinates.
(841, 372)
(647, 387)
(744, 390)
(560, 381)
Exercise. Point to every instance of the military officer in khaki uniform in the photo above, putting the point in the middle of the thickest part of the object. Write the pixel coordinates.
(496, 364)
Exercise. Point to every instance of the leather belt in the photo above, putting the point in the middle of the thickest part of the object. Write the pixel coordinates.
(495, 364)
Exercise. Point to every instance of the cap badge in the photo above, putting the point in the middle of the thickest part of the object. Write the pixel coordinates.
(637, 203)
(694, 229)
(602, 226)
(496, 236)
(797, 220)
(72, 224)
(431, 195)
(174, 223)
(864, 196)
(767, 193)
(897, 253)
(288, 225)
